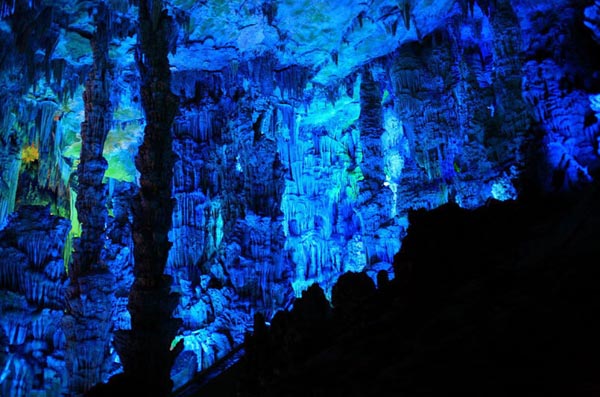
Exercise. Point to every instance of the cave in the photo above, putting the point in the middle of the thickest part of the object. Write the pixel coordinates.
(269, 197)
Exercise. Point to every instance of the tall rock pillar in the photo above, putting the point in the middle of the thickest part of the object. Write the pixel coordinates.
(146, 350)
(90, 295)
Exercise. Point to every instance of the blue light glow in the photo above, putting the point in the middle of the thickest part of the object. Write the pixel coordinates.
(286, 174)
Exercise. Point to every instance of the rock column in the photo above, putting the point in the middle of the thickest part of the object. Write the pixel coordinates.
(90, 294)
(146, 350)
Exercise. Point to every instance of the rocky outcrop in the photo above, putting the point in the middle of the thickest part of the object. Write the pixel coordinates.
(592, 19)
(558, 86)
(32, 284)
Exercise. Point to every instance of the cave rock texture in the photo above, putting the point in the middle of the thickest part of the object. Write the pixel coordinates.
(174, 174)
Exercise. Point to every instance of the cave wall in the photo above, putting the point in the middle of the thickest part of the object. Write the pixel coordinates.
(32, 282)
(304, 135)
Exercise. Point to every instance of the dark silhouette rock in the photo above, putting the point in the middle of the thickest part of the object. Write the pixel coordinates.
(500, 301)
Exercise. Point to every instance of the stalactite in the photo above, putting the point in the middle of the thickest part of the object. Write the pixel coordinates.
(261, 71)
(9, 177)
(405, 10)
(12, 271)
(45, 119)
(7, 8)
(371, 127)
(292, 81)
(37, 245)
(20, 383)
(37, 129)
(188, 238)
(288, 118)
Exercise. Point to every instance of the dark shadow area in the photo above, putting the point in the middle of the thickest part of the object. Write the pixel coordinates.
(497, 301)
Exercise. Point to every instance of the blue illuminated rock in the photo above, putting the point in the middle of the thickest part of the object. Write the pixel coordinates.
(32, 283)
(305, 133)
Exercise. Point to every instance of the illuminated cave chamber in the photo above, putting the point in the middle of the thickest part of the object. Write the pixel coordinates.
(305, 133)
